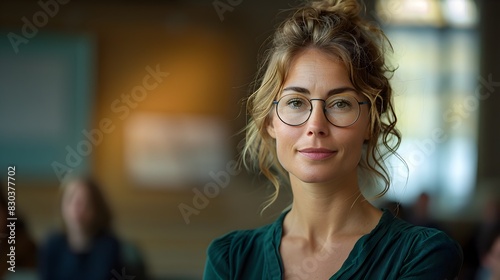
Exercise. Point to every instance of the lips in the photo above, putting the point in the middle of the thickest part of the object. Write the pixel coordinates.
(317, 153)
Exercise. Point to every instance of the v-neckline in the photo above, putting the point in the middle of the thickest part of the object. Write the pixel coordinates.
(273, 256)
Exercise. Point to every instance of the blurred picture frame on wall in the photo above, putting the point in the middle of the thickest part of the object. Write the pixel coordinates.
(174, 152)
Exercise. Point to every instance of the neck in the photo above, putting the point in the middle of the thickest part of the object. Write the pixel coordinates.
(324, 211)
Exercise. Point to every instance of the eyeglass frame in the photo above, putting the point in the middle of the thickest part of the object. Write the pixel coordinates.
(276, 102)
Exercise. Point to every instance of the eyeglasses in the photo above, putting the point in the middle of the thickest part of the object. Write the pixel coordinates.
(340, 110)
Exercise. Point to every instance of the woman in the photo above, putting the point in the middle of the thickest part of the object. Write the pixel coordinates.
(86, 249)
(322, 115)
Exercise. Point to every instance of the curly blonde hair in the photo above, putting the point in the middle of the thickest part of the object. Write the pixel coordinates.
(337, 28)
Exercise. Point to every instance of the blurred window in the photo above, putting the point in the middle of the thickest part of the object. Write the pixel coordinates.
(437, 94)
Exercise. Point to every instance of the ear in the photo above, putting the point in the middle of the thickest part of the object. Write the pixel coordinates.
(270, 128)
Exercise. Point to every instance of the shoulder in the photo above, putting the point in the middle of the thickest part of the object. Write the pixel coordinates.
(235, 248)
(107, 236)
(427, 251)
(435, 244)
(222, 246)
(52, 247)
(417, 237)
(107, 241)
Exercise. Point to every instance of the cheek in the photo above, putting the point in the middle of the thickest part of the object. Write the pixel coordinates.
(285, 141)
(67, 213)
(352, 149)
(352, 142)
(67, 207)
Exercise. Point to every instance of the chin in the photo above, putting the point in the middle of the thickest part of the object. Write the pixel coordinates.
(315, 178)
(321, 176)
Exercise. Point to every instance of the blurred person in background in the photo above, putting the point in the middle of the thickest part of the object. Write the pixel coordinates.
(320, 120)
(489, 252)
(86, 248)
(25, 247)
(475, 245)
(419, 213)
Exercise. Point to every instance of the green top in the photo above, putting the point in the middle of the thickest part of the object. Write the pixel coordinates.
(394, 249)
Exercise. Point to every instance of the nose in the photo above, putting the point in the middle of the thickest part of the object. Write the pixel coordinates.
(318, 125)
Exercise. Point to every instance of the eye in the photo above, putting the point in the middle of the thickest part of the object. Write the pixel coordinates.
(295, 103)
(340, 104)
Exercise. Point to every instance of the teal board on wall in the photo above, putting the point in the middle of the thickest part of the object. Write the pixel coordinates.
(46, 90)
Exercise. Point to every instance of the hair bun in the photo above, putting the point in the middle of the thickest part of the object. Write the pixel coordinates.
(347, 8)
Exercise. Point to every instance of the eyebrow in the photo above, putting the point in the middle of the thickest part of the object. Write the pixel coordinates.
(330, 92)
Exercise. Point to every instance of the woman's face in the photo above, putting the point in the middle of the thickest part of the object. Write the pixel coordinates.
(77, 208)
(317, 151)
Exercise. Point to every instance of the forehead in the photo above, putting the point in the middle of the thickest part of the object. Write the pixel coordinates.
(316, 68)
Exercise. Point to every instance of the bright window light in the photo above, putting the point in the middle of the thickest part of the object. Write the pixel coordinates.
(437, 13)
(460, 13)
